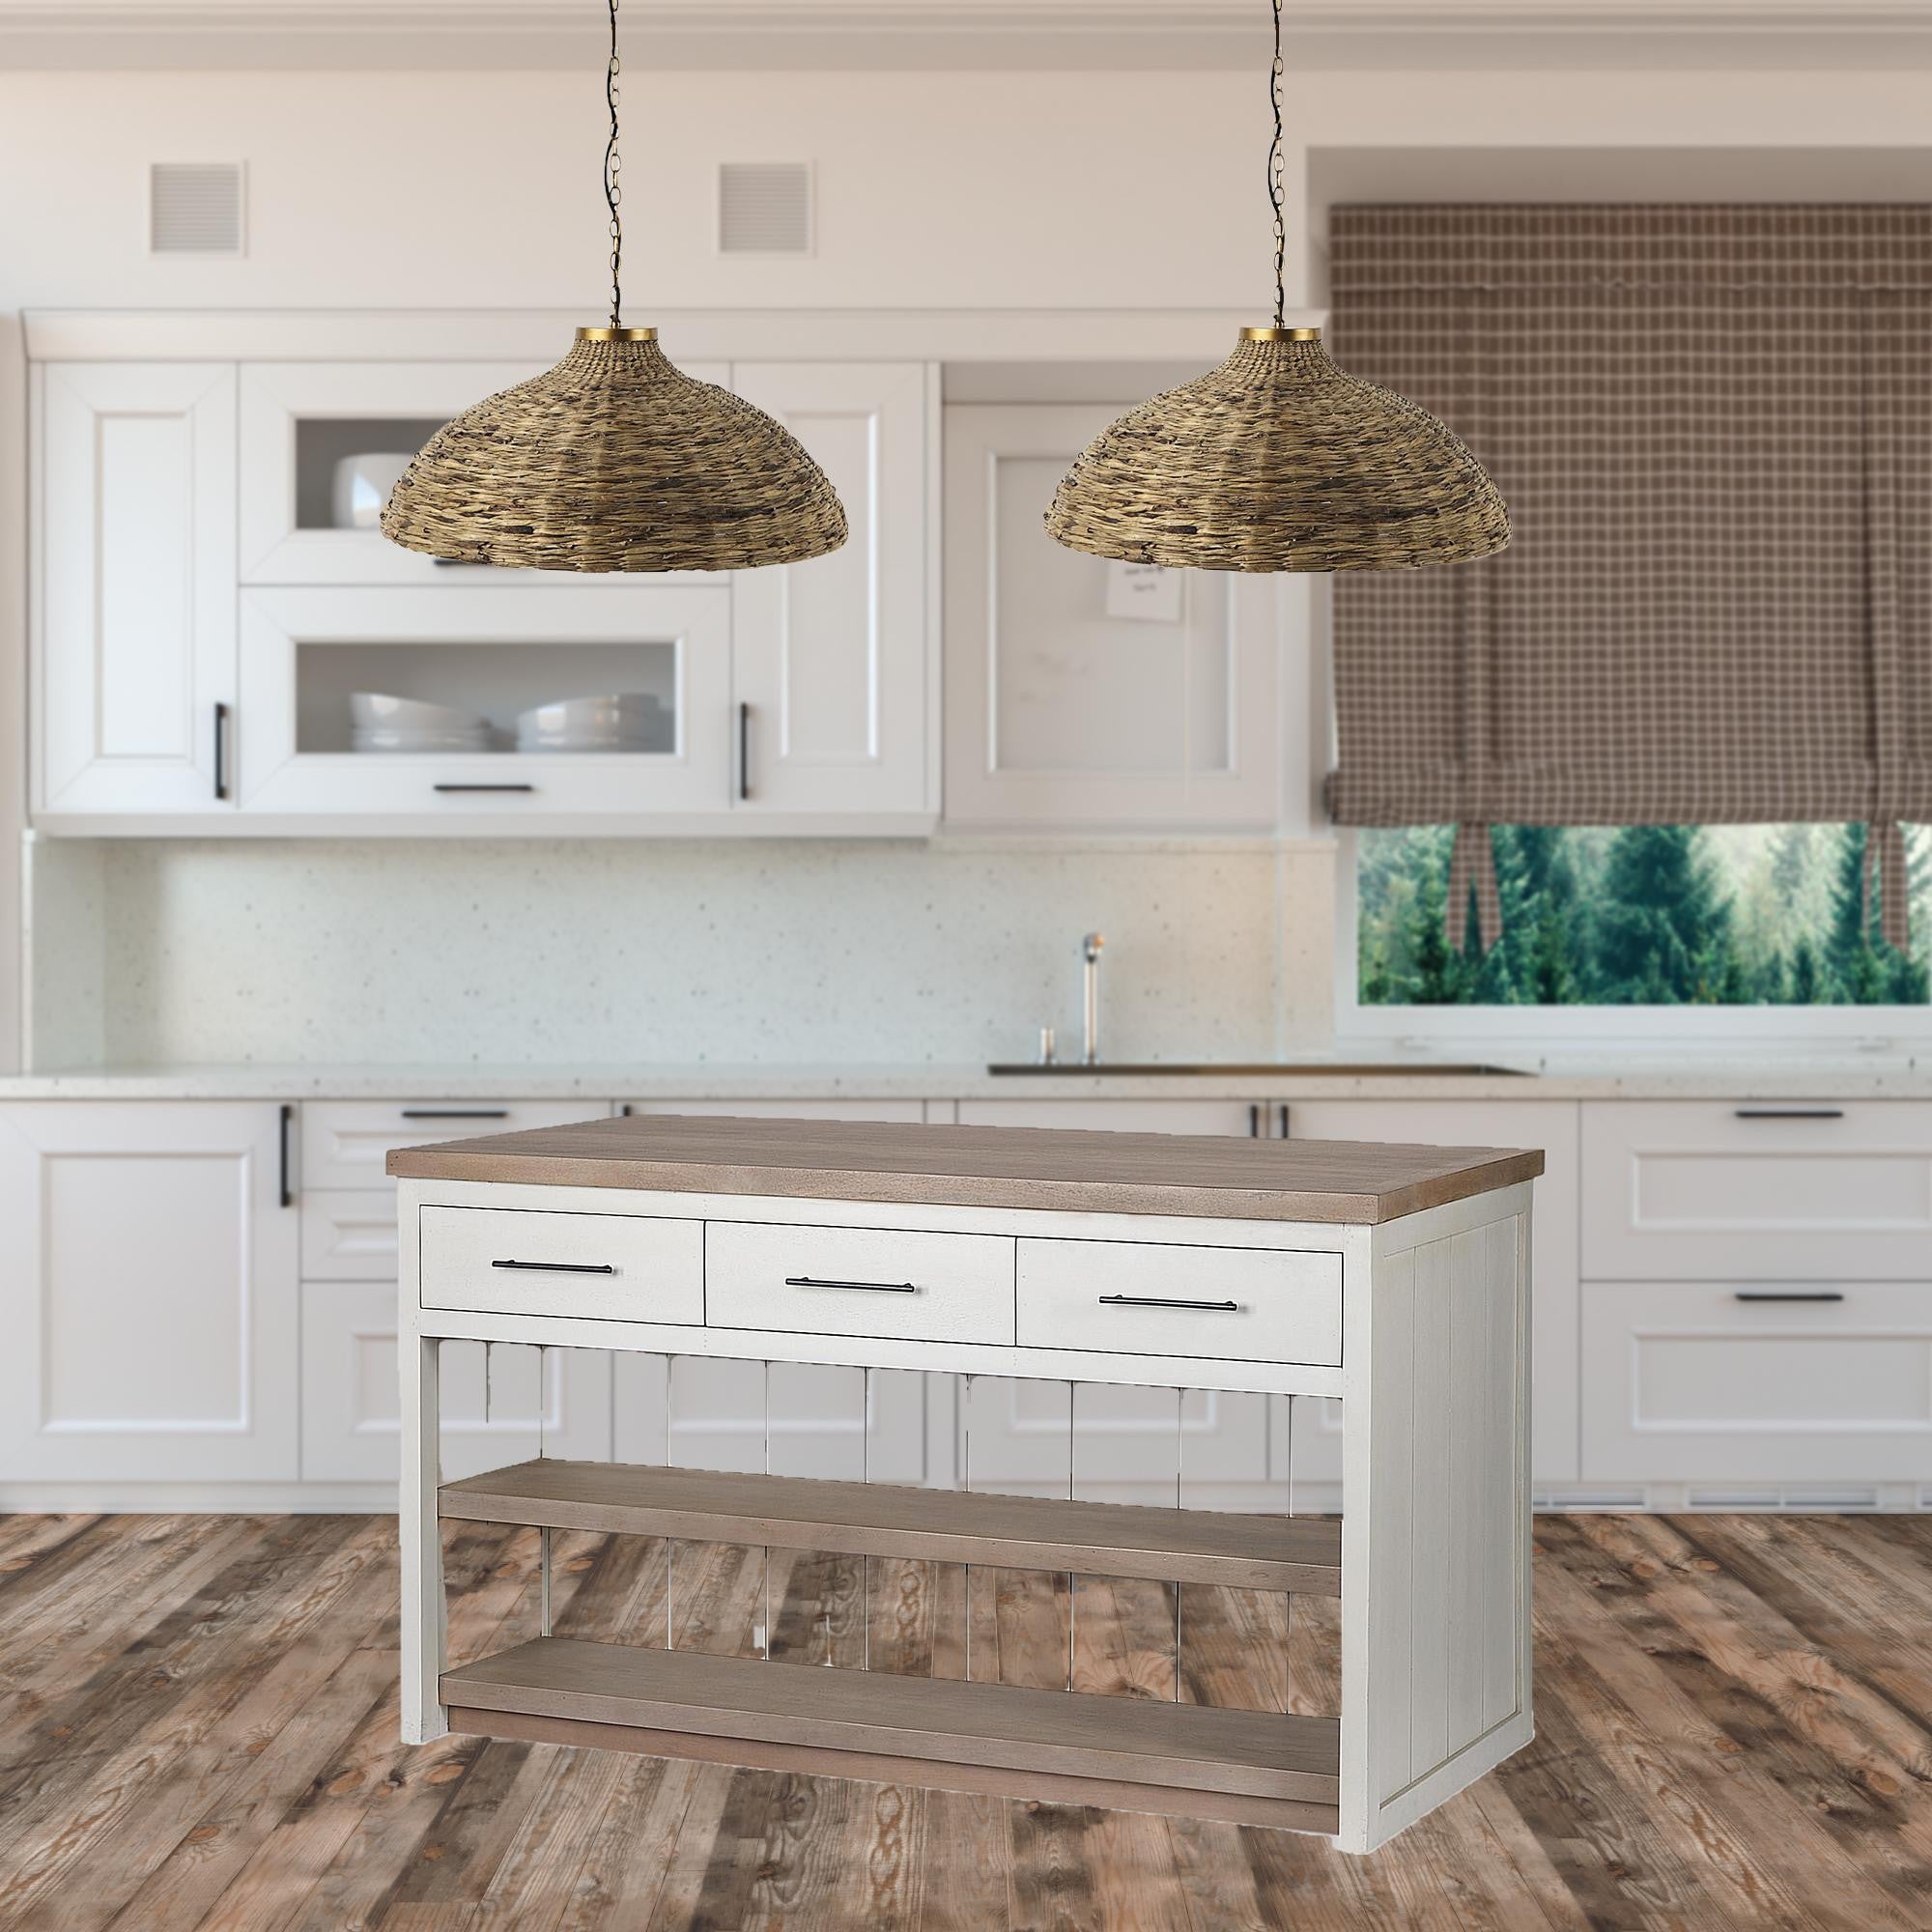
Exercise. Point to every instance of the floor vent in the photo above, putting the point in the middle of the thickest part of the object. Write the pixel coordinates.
(194, 208)
(765, 207)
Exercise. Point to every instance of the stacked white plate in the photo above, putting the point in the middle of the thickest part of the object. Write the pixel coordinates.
(385, 723)
(627, 721)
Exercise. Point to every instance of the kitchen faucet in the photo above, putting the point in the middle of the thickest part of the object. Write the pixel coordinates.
(1089, 952)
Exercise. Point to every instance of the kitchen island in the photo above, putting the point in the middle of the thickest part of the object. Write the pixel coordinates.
(1394, 1278)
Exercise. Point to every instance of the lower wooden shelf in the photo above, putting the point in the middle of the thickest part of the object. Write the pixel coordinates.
(1060, 1747)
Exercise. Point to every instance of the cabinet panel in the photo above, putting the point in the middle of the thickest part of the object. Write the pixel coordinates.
(491, 655)
(351, 1395)
(1080, 692)
(833, 656)
(135, 630)
(151, 1295)
(1691, 1382)
(1552, 1126)
(299, 419)
(910, 1112)
(1780, 1190)
(346, 1143)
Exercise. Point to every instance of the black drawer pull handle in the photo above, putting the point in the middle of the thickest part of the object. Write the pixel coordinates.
(864, 1287)
(455, 1113)
(1790, 1112)
(483, 787)
(1779, 1295)
(1156, 1301)
(558, 1268)
(286, 1190)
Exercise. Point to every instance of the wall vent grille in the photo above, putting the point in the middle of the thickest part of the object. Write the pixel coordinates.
(765, 207)
(194, 208)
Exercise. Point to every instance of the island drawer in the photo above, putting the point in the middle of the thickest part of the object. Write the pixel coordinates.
(859, 1281)
(1136, 1298)
(613, 1267)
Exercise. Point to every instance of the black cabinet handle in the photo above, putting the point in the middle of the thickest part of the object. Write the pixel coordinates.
(1156, 1301)
(744, 751)
(1790, 1112)
(220, 750)
(1284, 1120)
(455, 1113)
(287, 1188)
(557, 1268)
(482, 787)
(863, 1287)
(1783, 1295)
(1255, 1123)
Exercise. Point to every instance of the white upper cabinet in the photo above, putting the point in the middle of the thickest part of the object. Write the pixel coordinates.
(1084, 693)
(308, 429)
(835, 657)
(134, 631)
(212, 596)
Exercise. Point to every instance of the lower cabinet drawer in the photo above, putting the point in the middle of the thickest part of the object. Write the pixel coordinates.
(859, 1281)
(348, 1234)
(616, 1267)
(1702, 1381)
(1234, 1304)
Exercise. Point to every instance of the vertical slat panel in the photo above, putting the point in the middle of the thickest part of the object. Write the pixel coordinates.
(1392, 1507)
(1018, 1628)
(1501, 1553)
(1431, 1530)
(1469, 1436)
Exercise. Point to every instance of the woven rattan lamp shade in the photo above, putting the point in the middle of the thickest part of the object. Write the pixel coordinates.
(615, 461)
(1277, 461)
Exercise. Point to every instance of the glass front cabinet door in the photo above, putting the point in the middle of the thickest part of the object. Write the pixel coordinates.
(382, 707)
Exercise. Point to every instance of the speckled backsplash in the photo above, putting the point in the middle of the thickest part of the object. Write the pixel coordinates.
(781, 952)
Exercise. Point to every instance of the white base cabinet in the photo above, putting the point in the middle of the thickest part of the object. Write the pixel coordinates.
(149, 1294)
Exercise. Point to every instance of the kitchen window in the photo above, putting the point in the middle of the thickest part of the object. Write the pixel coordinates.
(1623, 918)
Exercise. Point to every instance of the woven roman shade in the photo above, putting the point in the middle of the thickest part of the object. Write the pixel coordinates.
(1714, 428)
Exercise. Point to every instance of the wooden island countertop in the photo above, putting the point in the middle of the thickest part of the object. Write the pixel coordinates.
(1353, 1182)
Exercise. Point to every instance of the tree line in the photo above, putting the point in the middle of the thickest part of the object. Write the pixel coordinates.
(1641, 915)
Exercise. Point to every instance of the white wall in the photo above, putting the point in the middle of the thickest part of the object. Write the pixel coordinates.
(959, 191)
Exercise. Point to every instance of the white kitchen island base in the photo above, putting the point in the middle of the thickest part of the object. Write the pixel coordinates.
(1394, 1278)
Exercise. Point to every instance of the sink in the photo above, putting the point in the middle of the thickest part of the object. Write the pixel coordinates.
(1318, 1069)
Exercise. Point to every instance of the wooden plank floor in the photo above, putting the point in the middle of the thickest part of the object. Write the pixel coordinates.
(198, 1729)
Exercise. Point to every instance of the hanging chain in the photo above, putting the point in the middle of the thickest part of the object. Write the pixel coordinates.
(1276, 183)
(613, 186)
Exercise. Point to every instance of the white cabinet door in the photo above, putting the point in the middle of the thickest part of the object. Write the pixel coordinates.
(300, 419)
(351, 1395)
(149, 1297)
(1082, 692)
(834, 659)
(490, 654)
(1552, 1126)
(135, 626)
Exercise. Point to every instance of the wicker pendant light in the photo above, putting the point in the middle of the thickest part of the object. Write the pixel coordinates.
(1279, 461)
(615, 460)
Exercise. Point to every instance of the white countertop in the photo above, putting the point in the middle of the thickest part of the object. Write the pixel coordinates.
(1766, 1076)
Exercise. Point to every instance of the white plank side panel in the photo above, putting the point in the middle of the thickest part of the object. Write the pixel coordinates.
(1501, 1551)
(1391, 1634)
(1430, 1527)
(1469, 1436)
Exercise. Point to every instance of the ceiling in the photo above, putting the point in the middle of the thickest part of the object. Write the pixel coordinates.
(964, 34)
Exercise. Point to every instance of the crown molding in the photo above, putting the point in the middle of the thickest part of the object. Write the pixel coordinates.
(999, 34)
